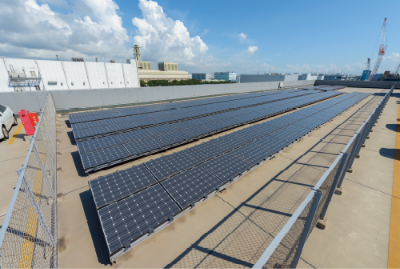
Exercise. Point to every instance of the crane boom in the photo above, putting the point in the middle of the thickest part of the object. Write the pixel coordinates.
(382, 50)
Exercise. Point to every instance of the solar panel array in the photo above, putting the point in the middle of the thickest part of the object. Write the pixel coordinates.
(324, 88)
(137, 143)
(91, 116)
(105, 127)
(133, 203)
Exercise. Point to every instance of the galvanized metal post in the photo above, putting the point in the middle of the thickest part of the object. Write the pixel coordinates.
(307, 227)
(334, 184)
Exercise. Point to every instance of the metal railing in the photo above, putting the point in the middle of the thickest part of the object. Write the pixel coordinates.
(285, 250)
(28, 236)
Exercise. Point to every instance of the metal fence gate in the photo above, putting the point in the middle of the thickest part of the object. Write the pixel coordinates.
(28, 237)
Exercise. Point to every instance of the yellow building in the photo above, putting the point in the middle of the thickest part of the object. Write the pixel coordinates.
(147, 75)
(144, 65)
(167, 66)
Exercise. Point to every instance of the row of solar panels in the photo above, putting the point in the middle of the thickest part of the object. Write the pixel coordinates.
(97, 154)
(95, 129)
(135, 110)
(324, 88)
(134, 202)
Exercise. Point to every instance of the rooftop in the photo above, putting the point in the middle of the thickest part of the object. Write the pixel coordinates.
(233, 227)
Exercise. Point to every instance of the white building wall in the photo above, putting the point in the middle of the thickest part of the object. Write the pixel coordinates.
(129, 75)
(69, 75)
(136, 82)
(115, 75)
(21, 66)
(97, 75)
(53, 76)
(75, 74)
(4, 77)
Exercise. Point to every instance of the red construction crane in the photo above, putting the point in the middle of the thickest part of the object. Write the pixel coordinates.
(382, 50)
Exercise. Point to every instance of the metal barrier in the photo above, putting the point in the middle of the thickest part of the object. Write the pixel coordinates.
(28, 237)
(285, 250)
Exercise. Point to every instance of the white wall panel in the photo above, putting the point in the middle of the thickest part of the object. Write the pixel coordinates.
(4, 78)
(28, 67)
(115, 75)
(134, 70)
(75, 73)
(97, 75)
(131, 74)
(53, 76)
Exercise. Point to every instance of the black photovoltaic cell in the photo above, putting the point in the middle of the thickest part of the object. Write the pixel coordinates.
(252, 153)
(113, 187)
(96, 144)
(90, 132)
(204, 151)
(162, 129)
(133, 135)
(190, 186)
(271, 144)
(144, 146)
(121, 126)
(128, 219)
(174, 137)
(249, 133)
(169, 165)
(229, 142)
(196, 131)
(146, 122)
(105, 156)
(226, 167)
(85, 125)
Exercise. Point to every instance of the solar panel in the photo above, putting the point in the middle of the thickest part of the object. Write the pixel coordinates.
(169, 165)
(130, 218)
(113, 187)
(102, 157)
(226, 167)
(252, 153)
(204, 151)
(196, 131)
(162, 129)
(96, 144)
(85, 125)
(121, 127)
(190, 186)
(144, 146)
(174, 137)
(228, 142)
(90, 132)
(133, 135)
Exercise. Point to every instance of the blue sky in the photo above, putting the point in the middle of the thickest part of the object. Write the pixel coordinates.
(208, 36)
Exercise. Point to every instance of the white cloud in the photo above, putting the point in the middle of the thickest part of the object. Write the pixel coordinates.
(251, 50)
(242, 37)
(31, 29)
(164, 39)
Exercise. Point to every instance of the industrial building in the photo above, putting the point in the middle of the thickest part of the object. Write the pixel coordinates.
(225, 76)
(167, 66)
(309, 76)
(342, 77)
(365, 75)
(18, 75)
(244, 78)
(203, 76)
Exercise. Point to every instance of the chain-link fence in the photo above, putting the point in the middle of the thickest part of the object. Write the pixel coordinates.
(284, 251)
(28, 236)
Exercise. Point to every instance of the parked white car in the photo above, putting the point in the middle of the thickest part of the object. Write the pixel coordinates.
(7, 120)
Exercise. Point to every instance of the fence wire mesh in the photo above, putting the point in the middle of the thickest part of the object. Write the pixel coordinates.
(28, 237)
(285, 251)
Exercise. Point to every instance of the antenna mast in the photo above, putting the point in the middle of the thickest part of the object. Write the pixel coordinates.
(382, 50)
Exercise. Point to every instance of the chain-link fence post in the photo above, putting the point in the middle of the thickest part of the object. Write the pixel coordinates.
(338, 174)
(307, 228)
